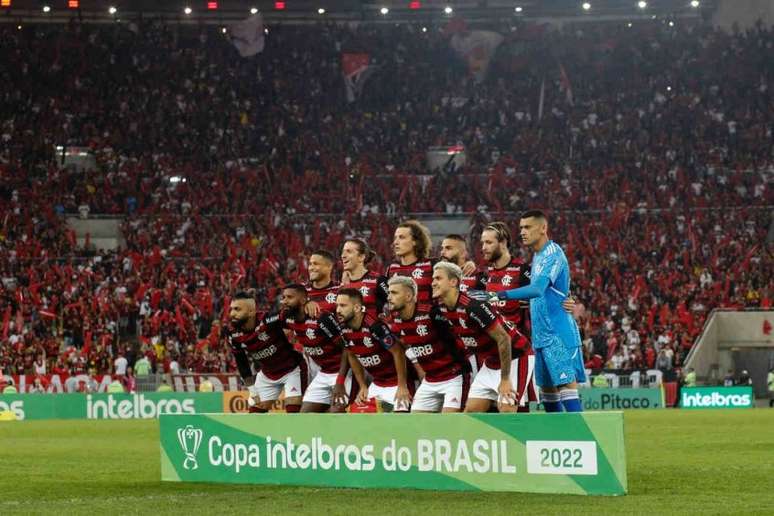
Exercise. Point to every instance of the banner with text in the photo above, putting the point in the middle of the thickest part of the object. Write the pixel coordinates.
(541, 453)
(716, 397)
(109, 406)
(608, 398)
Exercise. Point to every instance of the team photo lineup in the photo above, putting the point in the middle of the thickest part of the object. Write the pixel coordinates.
(431, 334)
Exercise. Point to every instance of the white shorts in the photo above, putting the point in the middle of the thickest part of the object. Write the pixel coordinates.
(473, 361)
(386, 395)
(269, 390)
(485, 384)
(433, 396)
(321, 388)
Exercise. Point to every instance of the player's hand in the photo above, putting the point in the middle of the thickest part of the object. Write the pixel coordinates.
(339, 395)
(402, 398)
(345, 278)
(569, 304)
(312, 309)
(253, 398)
(468, 268)
(362, 396)
(507, 396)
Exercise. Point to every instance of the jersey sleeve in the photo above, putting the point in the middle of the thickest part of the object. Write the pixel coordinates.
(274, 322)
(383, 335)
(329, 326)
(382, 290)
(483, 314)
(549, 267)
(443, 328)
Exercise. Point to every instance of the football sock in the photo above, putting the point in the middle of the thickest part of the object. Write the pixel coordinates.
(570, 400)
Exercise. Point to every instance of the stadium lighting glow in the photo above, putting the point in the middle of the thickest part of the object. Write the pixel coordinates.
(669, 88)
(629, 24)
(19, 27)
(187, 10)
(671, 24)
(519, 9)
(112, 10)
(224, 30)
(642, 4)
(320, 11)
(586, 6)
(424, 29)
(448, 9)
(415, 5)
(177, 179)
(46, 9)
(212, 6)
(254, 10)
(5, 3)
(695, 3)
(279, 6)
(384, 10)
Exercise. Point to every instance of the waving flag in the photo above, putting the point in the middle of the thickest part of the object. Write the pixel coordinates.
(357, 69)
(477, 48)
(248, 36)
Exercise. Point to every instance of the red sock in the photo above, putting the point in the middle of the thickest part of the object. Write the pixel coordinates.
(292, 409)
(256, 410)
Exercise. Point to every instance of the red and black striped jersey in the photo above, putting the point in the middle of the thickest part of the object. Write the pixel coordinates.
(422, 274)
(429, 335)
(513, 275)
(267, 346)
(471, 320)
(320, 339)
(374, 290)
(324, 297)
(475, 282)
(371, 344)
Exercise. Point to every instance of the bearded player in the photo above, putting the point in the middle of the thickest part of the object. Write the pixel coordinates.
(371, 343)
(331, 388)
(280, 366)
(422, 329)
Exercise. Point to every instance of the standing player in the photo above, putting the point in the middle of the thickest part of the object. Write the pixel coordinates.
(321, 289)
(504, 272)
(281, 367)
(478, 325)
(355, 256)
(424, 330)
(455, 250)
(555, 335)
(331, 388)
(374, 346)
(412, 245)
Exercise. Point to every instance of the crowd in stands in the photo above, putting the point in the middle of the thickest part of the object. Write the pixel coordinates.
(654, 158)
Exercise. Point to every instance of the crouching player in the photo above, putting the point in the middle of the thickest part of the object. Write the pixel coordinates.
(280, 366)
(371, 343)
(421, 328)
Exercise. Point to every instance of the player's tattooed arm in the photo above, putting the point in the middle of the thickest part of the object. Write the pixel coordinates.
(505, 390)
(402, 396)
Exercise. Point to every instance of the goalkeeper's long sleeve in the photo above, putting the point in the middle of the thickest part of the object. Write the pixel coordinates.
(535, 289)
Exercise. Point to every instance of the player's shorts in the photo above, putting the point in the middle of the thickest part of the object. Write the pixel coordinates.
(473, 361)
(321, 388)
(557, 365)
(487, 382)
(386, 395)
(433, 396)
(294, 384)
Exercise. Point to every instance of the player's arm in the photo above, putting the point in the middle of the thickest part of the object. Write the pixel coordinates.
(443, 329)
(498, 333)
(389, 342)
(489, 320)
(538, 285)
(382, 290)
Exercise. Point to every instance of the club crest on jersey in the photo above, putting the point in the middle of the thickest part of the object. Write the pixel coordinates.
(263, 336)
(364, 291)
(330, 297)
(463, 323)
(367, 342)
(422, 330)
(310, 334)
(416, 273)
(507, 280)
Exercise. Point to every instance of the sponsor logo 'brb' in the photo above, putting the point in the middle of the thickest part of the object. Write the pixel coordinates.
(190, 439)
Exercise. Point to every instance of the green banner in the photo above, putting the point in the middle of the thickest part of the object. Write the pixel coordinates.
(109, 406)
(608, 398)
(541, 453)
(716, 397)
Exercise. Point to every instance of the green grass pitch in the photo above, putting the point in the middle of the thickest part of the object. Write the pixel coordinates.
(679, 462)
